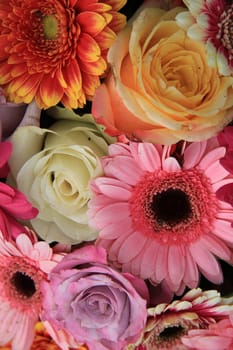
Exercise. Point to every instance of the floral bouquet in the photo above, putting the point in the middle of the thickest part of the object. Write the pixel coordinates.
(116, 167)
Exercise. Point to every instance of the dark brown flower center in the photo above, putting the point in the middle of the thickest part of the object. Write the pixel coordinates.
(173, 332)
(24, 284)
(171, 206)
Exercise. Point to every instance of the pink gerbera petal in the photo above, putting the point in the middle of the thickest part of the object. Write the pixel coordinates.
(217, 336)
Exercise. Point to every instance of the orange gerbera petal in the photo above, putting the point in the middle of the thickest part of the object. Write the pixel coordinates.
(116, 4)
(118, 22)
(83, 6)
(5, 74)
(19, 69)
(48, 46)
(88, 48)
(72, 76)
(99, 7)
(50, 91)
(105, 38)
(94, 68)
(90, 84)
(91, 22)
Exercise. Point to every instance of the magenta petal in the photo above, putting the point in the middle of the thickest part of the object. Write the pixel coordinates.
(225, 194)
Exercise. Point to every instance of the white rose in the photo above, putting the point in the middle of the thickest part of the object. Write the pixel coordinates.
(53, 168)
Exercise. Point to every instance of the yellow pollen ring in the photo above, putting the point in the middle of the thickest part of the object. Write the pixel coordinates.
(50, 27)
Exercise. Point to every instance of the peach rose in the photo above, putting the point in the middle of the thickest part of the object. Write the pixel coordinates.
(160, 88)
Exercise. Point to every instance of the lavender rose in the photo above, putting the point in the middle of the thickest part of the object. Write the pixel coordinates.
(94, 303)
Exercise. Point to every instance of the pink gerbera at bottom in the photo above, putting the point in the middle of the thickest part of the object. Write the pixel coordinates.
(218, 336)
(167, 324)
(23, 266)
(158, 214)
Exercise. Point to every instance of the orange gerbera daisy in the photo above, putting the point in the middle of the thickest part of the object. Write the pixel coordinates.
(55, 50)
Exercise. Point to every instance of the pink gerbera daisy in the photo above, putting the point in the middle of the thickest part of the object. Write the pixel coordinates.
(23, 266)
(158, 214)
(218, 336)
(168, 323)
(212, 23)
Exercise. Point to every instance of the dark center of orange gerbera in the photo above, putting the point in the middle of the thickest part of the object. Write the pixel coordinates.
(50, 27)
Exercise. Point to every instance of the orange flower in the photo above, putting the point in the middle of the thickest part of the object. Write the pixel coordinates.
(55, 50)
(42, 341)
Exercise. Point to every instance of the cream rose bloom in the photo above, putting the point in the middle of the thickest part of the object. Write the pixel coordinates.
(53, 168)
(160, 88)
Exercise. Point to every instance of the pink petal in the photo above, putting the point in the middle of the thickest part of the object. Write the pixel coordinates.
(119, 149)
(24, 244)
(207, 263)
(44, 250)
(212, 157)
(216, 246)
(176, 266)
(148, 260)
(148, 157)
(115, 248)
(221, 183)
(216, 172)
(193, 153)
(113, 188)
(25, 333)
(131, 247)
(224, 230)
(206, 342)
(112, 231)
(191, 274)
(161, 264)
(98, 202)
(135, 264)
(123, 168)
(113, 213)
(171, 165)
(47, 266)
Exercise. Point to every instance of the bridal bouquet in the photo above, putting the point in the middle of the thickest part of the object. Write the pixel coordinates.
(116, 168)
